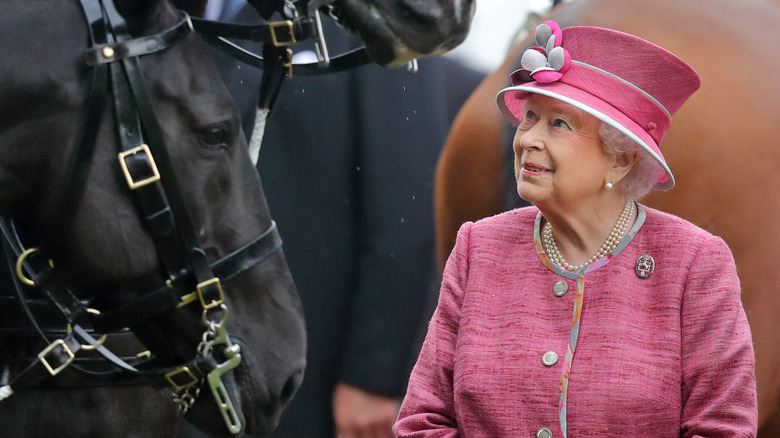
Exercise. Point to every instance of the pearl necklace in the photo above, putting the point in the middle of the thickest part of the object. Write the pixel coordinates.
(607, 247)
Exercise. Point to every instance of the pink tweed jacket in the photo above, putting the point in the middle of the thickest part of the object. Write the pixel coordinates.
(669, 355)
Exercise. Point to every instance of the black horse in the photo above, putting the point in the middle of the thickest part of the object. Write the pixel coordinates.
(148, 224)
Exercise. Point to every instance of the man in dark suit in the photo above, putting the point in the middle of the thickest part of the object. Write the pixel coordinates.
(347, 164)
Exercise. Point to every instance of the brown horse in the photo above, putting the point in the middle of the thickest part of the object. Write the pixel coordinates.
(722, 147)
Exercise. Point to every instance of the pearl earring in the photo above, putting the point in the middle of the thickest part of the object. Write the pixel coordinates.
(609, 186)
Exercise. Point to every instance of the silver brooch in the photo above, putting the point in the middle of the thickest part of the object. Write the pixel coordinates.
(644, 267)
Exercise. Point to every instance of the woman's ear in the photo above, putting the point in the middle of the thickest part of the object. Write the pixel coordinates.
(621, 165)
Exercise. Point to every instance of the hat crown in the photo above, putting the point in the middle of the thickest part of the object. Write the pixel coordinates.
(653, 69)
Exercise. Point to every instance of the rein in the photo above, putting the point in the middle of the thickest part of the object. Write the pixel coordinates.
(116, 75)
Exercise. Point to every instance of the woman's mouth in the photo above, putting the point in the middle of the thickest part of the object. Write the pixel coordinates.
(534, 169)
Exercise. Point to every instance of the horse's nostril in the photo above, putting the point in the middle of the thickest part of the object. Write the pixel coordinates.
(291, 386)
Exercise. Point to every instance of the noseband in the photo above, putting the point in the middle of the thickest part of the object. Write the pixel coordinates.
(190, 276)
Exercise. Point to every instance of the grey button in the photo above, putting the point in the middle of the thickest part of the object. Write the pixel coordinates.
(544, 433)
(550, 358)
(560, 288)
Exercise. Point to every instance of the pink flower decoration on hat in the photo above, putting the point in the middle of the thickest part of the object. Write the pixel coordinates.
(549, 61)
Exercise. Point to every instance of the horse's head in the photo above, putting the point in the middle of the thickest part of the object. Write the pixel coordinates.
(396, 31)
(108, 249)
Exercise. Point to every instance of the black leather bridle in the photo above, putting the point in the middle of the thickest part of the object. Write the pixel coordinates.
(116, 76)
(286, 23)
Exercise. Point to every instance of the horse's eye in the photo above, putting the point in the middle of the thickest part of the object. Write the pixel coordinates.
(216, 135)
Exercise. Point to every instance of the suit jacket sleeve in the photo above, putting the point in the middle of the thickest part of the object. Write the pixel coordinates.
(718, 365)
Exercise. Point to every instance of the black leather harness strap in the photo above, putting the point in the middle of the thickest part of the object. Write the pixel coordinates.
(277, 36)
(69, 307)
(169, 296)
(110, 52)
(279, 33)
(346, 61)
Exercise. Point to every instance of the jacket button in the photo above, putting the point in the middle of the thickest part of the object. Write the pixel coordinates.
(560, 288)
(550, 358)
(544, 433)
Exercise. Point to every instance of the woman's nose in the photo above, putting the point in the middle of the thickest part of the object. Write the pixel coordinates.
(530, 138)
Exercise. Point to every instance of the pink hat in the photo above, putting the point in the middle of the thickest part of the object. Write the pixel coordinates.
(625, 81)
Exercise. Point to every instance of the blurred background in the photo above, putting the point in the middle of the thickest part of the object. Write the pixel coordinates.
(495, 25)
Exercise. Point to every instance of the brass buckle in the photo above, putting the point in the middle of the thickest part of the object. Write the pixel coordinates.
(58, 343)
(20, 267)
(213, 303)
(288, 24)
(136, 184)
(184, 372)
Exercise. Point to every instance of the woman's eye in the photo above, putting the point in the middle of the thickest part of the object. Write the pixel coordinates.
(560, 123)
(528, 119)
(217, 135)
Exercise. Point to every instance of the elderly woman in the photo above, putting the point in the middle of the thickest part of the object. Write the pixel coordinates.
(587, 314)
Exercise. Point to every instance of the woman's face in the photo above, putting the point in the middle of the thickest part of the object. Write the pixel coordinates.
(559, 157)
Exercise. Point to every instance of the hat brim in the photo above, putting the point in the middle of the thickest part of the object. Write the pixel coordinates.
(512, 99)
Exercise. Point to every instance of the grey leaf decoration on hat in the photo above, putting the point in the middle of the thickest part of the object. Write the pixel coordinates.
(533, 60)
(550, 44)
(542, 35)
(549, 61)
(556, 58)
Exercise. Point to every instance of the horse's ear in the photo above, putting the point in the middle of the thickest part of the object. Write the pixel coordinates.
(195, 8)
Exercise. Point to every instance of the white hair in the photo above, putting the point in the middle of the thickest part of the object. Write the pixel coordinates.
(642, 177)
